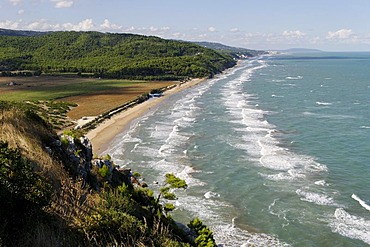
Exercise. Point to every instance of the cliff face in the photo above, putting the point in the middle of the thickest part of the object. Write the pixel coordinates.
(53, 192)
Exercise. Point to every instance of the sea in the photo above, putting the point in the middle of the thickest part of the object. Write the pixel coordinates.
(275, 151)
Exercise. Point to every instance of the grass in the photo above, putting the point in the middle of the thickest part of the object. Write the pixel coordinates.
(93, 96)
(57, 91)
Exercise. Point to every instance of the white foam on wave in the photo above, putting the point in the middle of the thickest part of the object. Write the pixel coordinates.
(127, 137)
(227, 235)
(350, 226)
(307, 113)
(278, 80)
(135, 147)
(168, 142)
(184, 114)
(211, 194)
(281, 214)
(323, 103)
(180, 170)
(257, 135)
(294, 77)
(277, 96)
(321, 183)
(277, 177)
(362, 203)
(317, 198)
(290, 84)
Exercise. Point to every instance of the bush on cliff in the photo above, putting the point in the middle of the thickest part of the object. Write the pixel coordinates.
(204, 234)
(23, 193)
(45, 202)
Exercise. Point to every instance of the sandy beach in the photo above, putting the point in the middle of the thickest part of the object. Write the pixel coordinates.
(102, 136)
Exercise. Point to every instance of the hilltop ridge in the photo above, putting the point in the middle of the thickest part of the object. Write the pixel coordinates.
(235, 52)
(110, 55)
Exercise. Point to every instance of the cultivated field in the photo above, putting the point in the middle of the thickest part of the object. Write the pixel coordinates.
(93, 96)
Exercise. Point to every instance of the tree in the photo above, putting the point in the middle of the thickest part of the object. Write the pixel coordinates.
(171, 182)
(204, 234)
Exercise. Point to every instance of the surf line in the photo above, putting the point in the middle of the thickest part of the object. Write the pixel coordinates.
(362, 203)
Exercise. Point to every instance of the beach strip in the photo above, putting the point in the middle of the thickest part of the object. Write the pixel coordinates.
(102, 136)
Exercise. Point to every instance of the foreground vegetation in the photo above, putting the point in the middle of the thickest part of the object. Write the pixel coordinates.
(52, 193)
(109, 55)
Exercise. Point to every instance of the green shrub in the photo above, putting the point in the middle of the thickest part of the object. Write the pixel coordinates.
(169, 207)
(107, 157)
(104, 171)
(136, 174)
(75, 134)
(175, 182)
(64, 141)
(204, 234)
(23, 193)
(165, 191)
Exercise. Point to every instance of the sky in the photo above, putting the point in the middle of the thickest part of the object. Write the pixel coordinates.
(330, 25)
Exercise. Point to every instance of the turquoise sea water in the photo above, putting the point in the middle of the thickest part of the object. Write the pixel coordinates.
(276, 151)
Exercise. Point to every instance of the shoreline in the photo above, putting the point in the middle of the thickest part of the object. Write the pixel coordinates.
(102, 136)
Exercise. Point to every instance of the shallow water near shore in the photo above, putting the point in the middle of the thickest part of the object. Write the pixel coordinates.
(276, 151)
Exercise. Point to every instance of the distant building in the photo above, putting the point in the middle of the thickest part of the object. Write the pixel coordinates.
(155, 95)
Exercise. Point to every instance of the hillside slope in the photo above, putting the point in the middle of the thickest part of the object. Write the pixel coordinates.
(53, 192)
(235, 52)
(110, 55)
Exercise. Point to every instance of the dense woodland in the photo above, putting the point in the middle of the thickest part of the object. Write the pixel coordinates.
(109, 55)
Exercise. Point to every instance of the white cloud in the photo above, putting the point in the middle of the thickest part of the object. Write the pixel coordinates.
(7, 24)
(153, 29)
(85, 25)
(340, 34)
(15, 2)
(40, 25)
(179, 35)
(212, 29)
(130, 29)
(293, 34)
(232, 36)
(202, 36)
(61, 3)
(107, 25)
(21, 11)
(315, 40)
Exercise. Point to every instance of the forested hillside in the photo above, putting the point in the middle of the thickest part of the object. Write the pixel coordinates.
(109, 55)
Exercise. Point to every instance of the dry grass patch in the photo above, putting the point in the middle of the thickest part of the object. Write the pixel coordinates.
(98, 103)
(94, 96)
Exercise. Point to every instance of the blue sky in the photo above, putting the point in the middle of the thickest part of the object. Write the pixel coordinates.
(332, 25)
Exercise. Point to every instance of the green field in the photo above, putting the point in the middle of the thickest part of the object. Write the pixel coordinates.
(59, 91)
(91, 96)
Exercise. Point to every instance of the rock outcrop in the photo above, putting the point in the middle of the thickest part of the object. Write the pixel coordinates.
(95, 171)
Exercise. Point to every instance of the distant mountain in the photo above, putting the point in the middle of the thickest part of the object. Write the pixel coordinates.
(236, 52)
(301, 50)
(9, 32)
